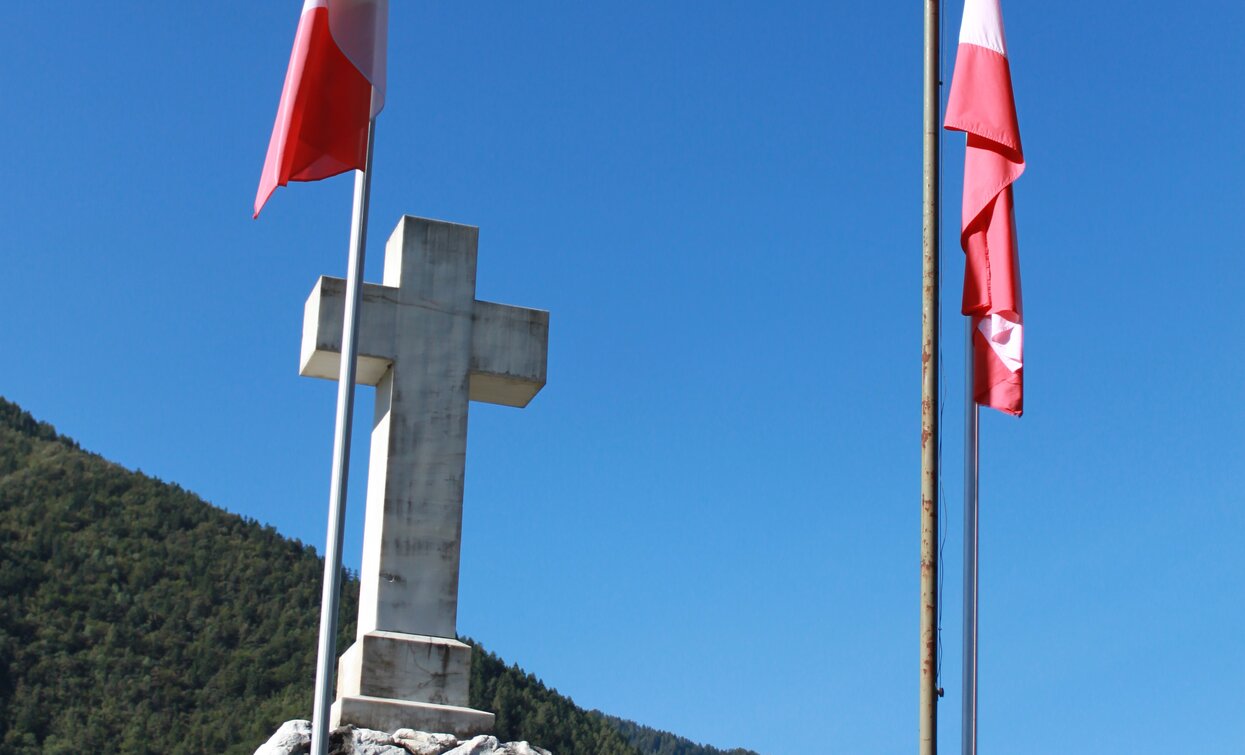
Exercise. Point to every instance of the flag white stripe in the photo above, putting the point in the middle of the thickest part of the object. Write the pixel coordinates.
(983, 26)
(1006, 339)
(360, 30)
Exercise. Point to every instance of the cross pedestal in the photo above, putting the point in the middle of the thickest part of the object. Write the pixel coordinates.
(430, 348)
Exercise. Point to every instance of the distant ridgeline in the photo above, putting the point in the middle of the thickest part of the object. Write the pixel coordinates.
(137, 618)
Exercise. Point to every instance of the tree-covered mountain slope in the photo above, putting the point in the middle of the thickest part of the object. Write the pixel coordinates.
(135, 615)
(137, 618)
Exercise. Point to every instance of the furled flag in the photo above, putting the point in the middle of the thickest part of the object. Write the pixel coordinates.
(982, 106)
(334, 86)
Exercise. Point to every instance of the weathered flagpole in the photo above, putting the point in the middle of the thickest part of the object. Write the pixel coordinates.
(326, 654)
(968, 731)
(928, 728)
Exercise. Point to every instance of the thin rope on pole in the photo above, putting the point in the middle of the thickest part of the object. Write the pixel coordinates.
(942, 395)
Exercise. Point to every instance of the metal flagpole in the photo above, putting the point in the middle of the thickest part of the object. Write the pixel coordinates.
(928, 698)
(326, 654)
(968, 736)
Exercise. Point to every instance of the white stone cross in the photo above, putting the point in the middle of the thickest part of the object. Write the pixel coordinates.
(429, 347)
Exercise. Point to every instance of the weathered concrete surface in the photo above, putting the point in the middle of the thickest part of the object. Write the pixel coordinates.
(430, 348)
(385, 714)
(417, 668)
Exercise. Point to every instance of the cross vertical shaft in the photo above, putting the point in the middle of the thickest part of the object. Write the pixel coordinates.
(409, 579)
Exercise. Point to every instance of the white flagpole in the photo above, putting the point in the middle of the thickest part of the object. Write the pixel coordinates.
(968, 735)
(327, 651)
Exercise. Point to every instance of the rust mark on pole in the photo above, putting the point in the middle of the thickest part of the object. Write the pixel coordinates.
(928, 697)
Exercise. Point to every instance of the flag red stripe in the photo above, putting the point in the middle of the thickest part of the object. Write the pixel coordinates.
(322, 121)
(992, 267)
(981, 100)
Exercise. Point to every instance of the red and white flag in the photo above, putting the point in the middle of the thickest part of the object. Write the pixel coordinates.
(334, 86)
(981, 105)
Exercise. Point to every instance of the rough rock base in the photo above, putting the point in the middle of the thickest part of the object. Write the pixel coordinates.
(294, 738)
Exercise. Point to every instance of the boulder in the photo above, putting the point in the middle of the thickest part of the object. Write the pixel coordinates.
(369, 742)
(423, 743)
(292, 737)
(485, 744)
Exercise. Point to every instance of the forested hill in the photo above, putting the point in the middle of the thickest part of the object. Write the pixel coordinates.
(137, 618)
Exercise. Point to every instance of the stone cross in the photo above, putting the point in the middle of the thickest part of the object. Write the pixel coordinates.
(429, 347)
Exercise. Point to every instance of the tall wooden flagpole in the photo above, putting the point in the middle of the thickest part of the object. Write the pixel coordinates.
(326, 654)
(928, 727)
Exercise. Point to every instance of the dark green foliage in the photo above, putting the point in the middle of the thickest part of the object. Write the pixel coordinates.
(529, 711)
(137, 618)
(654, 742)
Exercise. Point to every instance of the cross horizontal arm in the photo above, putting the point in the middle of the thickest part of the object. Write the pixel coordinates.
(509, 349)
(509, 345)
(322, 331)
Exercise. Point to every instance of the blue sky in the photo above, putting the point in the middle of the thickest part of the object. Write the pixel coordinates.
(708, 521)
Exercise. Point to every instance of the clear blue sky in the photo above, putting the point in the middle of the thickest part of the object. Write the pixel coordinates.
(708, 521)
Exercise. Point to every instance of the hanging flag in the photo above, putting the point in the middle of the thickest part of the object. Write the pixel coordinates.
(981, 105)
(334, 86)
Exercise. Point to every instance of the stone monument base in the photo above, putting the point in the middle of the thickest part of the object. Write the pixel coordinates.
(383, 714)
(390, 680)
